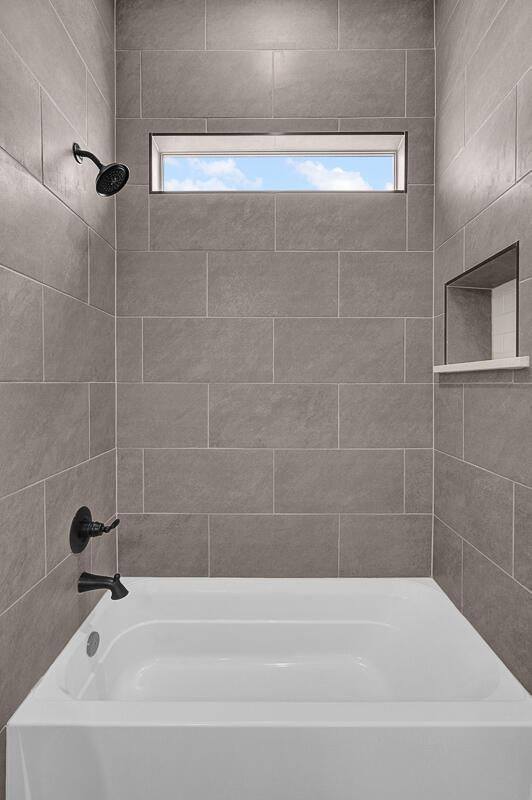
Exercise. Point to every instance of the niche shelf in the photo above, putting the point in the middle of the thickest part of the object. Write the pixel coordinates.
(482, 317)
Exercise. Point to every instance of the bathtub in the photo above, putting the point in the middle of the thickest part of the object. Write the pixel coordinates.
(244, 689)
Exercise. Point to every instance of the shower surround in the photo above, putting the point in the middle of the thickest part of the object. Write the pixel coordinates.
(483, 420)
(274, 404)
(57, 326)
(271, 350)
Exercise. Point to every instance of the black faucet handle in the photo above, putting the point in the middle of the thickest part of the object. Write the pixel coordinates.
(84, 528)
(114, 524)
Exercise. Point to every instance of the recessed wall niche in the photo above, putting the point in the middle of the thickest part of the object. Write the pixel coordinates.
(481, 310)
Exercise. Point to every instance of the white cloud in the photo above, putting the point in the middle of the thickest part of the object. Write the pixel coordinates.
(335, 179)
(192, 185)
(221, 175)
(389, 187)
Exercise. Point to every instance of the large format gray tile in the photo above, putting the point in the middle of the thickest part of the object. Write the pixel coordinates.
(385, 545)
(467, 186)
(381, 415)
(524, 125)
(447, 561)
(101, 273)
(443, 11)
(501, 59)
(208, 350)
(477, 505)
(37, 34)
(448, 419)
(163, 545)
(22, 561)
(339, 83)
(72, 182)
(341, 221)
(129, 349)
(418, 351)
(132, 218)
(228, 221)
(466, 26)
(100, 127)
(420, 83)
(503, 223)
(450, 126)
(420, 140)
(501, 611)
(498, 430)
(52, 605)
(418, 481)
(20, 328)
(187, 481)
(127, 85)
(20, 110)
(340, 350)
(269, 415)
(167, 25)
(161, 284)
(273, 284)
(210, 84)
(274, 546)
(377, 24)
(129, 473)
(106, 10)
(55, 244)
(78, 340)
(386, 284)
(102, 417)
(522, 537)
(420, 217)
(329, 481)
(89, 34)
(32, 417)
(133, 139)
(272, 24)
(448, 264)
(161, 415)
(89, 484)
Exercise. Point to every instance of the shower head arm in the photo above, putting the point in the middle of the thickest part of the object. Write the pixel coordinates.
(80, 154)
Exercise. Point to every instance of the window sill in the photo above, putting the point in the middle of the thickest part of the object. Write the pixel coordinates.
(517, 362)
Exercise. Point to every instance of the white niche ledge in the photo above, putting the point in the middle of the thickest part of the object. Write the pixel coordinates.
(515, 362)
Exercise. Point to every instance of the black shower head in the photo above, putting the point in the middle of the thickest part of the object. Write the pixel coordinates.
(111, 177)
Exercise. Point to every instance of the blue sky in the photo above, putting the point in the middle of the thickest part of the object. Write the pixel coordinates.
(278, 173)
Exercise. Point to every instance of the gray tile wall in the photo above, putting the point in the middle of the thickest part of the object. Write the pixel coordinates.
(483, 458)
(57, 306)
(274, 352)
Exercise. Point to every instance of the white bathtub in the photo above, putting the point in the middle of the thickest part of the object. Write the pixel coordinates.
(224, 689)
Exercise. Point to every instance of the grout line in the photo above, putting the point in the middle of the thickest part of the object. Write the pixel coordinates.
(338, 25)
(89, 415)
(208, 545)
(205, 26)
(208, 417)
(404, 481)
(143, 480)
(463, 422)
(140, 84)
(462, 577)
(513, 531)
(45, 531)
(273, 481)
(338, 415)
(404, 349)
(406, 79)
(273, 350)
(142, 349)
(207, 283)
(277, 514)
(338, 285)
(273, 85)
(339, 544)
(34, 586)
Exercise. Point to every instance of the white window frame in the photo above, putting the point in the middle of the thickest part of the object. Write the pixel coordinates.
(289, 144)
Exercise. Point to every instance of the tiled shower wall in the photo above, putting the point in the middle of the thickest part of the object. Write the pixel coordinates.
(57, 279)
(483, 421)
(274, 351)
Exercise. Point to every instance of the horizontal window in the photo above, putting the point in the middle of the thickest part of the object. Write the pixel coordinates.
(278, 163)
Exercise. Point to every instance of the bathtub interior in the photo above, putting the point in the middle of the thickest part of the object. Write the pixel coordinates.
(227, 641)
